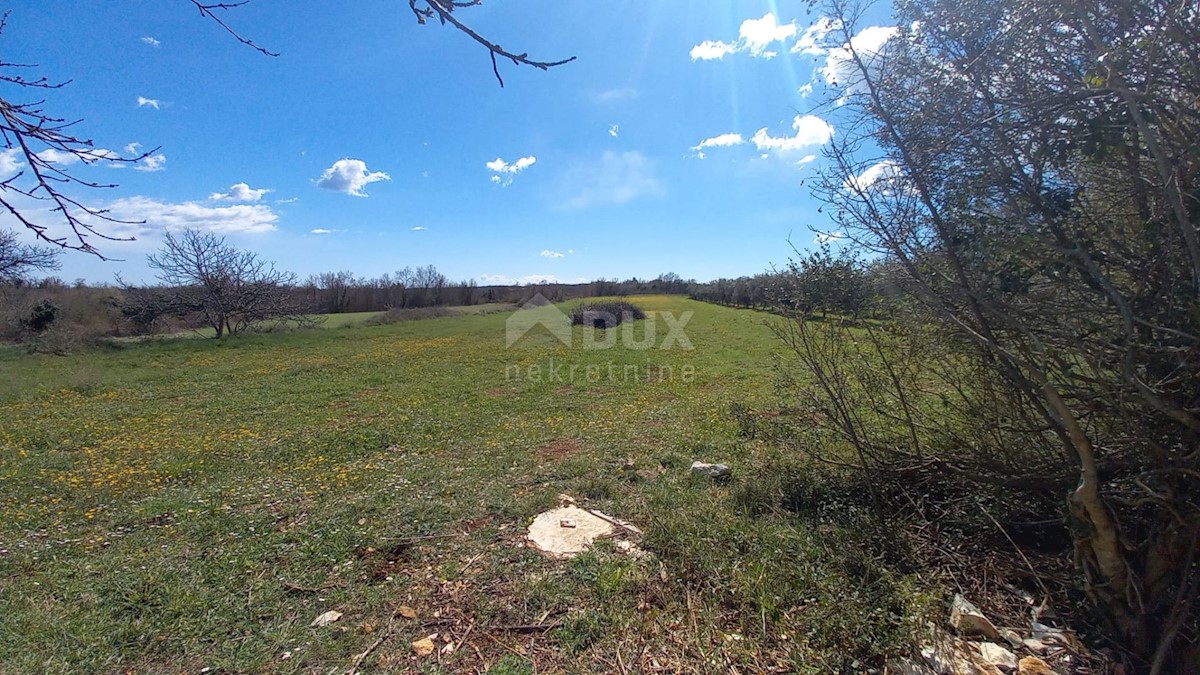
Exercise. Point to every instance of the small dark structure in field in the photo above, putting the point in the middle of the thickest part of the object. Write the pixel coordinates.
(606, 314)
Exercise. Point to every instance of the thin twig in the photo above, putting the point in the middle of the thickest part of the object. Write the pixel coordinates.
(387, 633)
(358, 660)
(506, 647)
(297, 588)
(208, 10)
(530, 628)
(443, 10)
(425, 537)
(469, 563)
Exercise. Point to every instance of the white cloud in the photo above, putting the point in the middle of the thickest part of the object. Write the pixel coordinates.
(828, 237)
(880, 175)
(239, 192)
(547, 253)
(349, 177)
(711, 50)
(505, 172)
(11, 161)
(152, 163)
(151, 41)
(840, 69)
(616, 178)
(58, 157)
(810, 131)
(289, 200)
(505, 280)
(159, 216)
(806, 160)
(614, 129)
(419, 228)
(805, 90)
(754, 36)
(812, 41)
(142, 101)
(758, 34)
(321, 230)
(132, 148)
(722, 141)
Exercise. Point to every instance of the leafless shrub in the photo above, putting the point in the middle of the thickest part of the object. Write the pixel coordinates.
(401, 314)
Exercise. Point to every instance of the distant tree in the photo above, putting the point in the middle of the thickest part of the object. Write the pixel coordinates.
(429, 286)
(335, 287)
(17, 260)
(824, 282)
(231, 289)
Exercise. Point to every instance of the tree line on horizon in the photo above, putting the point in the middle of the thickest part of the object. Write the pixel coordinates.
(203, 281)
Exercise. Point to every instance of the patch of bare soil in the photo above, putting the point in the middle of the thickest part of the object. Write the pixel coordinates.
(559, 449)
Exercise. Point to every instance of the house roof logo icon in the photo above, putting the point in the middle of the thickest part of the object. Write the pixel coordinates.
(537, 311)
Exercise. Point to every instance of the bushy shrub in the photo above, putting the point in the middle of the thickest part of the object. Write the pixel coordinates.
(606, 314)
(55, 314)
(41, 317)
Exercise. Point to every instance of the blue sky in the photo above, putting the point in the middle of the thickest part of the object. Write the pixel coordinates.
(372, 143)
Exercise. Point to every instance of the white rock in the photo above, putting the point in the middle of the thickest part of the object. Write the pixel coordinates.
(711, 470)
(968, 620)
(631, 549)
(1050, 634)
(569, 530)
(998, 656)
(1035, 646)
(953, 657)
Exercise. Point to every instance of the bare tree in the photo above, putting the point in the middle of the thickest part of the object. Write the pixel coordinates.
(335, 289)
(17, 259)
(44, 145)
(230, 288)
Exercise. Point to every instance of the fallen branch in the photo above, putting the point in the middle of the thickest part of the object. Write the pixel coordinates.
(358, 660)
(531, 627)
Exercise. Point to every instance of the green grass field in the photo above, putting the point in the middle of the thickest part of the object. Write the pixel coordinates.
(177, 505)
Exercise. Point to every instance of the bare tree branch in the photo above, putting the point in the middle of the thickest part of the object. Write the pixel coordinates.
(209, 10)
(444, 11)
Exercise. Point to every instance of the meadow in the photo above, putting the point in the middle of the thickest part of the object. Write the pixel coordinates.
(171, 506)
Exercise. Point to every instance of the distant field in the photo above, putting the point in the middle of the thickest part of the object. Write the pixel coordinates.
(178, 505)
(341, 320)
